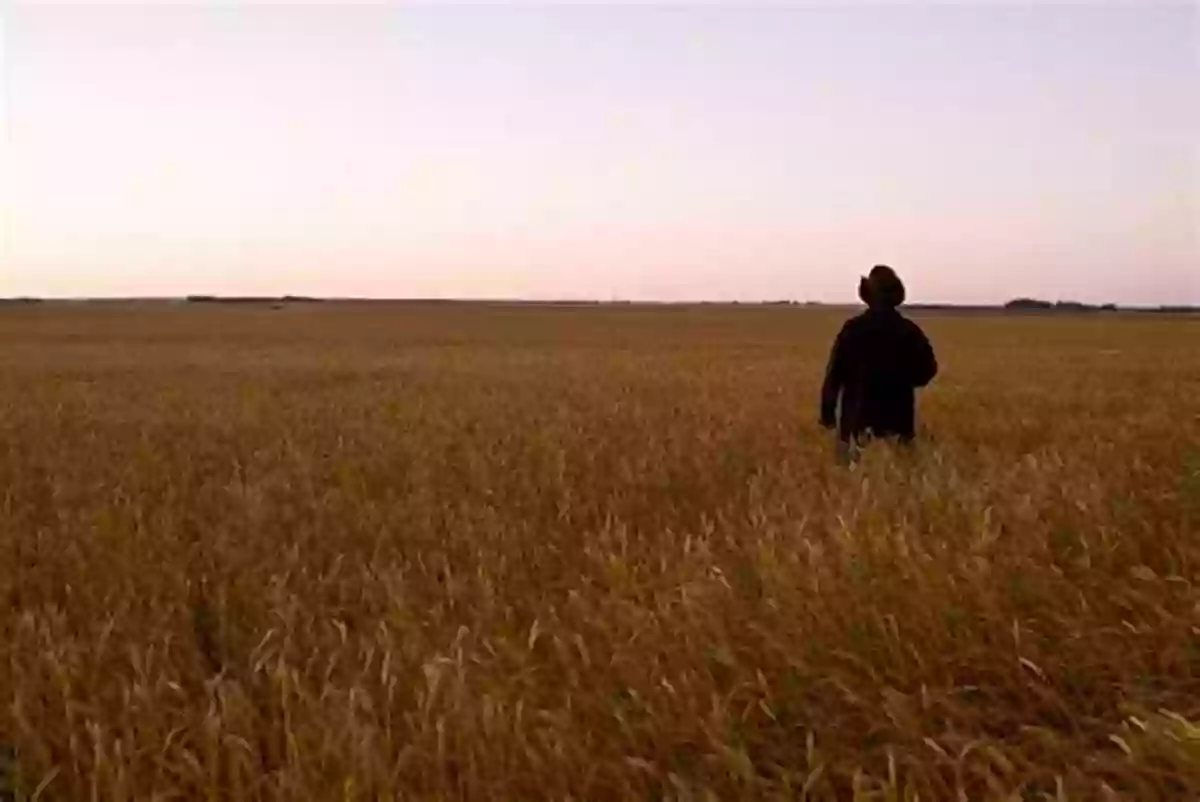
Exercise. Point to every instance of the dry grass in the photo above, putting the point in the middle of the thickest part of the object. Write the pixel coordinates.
(428, 552)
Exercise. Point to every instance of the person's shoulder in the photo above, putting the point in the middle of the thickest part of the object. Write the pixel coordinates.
(851, 326)
(858, 321)
(912, 330)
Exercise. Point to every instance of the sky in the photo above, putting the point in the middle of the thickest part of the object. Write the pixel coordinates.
(616, 151)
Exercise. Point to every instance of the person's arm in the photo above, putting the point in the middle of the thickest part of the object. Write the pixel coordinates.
(924, 365)
(835, 379)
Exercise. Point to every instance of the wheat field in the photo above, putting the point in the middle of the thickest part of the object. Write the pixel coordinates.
(471, 552)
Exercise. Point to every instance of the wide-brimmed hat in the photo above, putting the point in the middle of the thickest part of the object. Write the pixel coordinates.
(881, 287)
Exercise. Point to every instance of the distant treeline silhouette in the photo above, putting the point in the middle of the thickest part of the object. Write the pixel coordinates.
(1015, 305)
(1059, 306)
(251, 299)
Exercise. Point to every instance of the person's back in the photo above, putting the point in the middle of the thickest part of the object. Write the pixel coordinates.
(878, 360)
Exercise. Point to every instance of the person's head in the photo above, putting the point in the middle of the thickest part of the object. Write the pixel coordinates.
(881, 288)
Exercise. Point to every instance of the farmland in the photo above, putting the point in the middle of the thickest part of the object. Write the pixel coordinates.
(468, 552)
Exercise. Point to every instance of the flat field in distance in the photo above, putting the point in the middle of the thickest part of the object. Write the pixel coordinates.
(503, 552)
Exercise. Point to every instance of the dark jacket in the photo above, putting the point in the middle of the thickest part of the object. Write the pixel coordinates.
(878, 360)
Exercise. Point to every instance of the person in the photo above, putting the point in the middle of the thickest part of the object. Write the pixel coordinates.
(878, 361)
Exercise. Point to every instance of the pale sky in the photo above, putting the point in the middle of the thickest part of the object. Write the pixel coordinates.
(612, 151)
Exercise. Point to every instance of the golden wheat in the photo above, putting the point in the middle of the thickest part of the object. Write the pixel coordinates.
(430, 552)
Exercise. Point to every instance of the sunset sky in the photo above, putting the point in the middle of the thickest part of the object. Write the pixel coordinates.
(610, 151)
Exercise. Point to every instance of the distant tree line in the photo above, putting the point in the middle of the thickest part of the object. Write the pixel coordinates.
(1016, 304)
(250, 299)
(1057, 306)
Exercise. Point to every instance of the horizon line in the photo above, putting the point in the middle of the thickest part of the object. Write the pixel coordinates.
(205, 298)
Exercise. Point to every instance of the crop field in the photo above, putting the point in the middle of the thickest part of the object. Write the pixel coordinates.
(488, 552)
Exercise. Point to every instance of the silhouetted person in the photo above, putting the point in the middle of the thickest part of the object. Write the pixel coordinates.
(878, 361)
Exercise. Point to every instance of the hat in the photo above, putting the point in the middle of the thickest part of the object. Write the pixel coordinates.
(881, 288)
